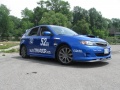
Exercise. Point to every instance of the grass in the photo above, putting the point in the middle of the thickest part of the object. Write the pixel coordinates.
(6, 45)
(10, 51)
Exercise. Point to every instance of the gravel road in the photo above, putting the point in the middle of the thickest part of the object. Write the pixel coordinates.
(17, 73)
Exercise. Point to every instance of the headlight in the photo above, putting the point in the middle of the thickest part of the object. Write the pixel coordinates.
(87, 43)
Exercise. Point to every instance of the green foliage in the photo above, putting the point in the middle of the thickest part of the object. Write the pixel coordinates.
(58, 6)
(100, 33)
(4, 21)
(26, 24)
(79, 14)
(54, 18)
(38, 14)
(26, 13)
(82, 27)
(57, 12)
(96, 19)
(113, 40)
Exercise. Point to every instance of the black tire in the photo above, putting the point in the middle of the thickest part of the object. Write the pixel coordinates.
(64, 55)
(23, 52)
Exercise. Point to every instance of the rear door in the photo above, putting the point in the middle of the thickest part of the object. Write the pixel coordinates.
(32, 40)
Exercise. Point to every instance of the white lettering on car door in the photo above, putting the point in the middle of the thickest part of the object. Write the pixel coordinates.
(44, 42)
(36, 50)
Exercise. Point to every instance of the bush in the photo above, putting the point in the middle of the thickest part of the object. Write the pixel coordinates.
(113, 40)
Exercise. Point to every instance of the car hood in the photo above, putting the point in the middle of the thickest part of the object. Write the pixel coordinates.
(84, 37)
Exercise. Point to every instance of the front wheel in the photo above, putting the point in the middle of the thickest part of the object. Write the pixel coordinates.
(23, 52)
(64, 55)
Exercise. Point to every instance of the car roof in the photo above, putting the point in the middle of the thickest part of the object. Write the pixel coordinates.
(46, 25)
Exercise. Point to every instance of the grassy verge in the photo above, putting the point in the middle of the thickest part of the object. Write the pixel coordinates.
(113, 40)
(10, 51)
(6, 45)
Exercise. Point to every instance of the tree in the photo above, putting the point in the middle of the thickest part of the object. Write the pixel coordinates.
(58, 6)
(27, 20)
(26, 24)
(101, 33)
(55, 5)
(82, 27)
(54, 18)
(4, 21)
(14, 24)
(38, 13)
(96, 19)
(97, 22)
(79, 14)
(116, 24)
(57, 12)
(27, 14)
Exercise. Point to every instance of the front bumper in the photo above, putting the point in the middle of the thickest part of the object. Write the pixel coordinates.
(91, 54)
(93, 59)
(100, 60)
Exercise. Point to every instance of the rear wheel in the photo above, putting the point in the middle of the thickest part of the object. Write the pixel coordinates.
(64, 55)
(23, 52)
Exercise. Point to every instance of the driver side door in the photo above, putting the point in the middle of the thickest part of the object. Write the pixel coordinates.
(44, 43)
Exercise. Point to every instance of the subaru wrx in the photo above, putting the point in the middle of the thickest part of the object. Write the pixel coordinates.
(63, 44)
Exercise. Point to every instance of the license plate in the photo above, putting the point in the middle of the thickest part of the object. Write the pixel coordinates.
(106, 51)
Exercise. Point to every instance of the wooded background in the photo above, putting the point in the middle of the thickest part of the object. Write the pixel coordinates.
(57, 12)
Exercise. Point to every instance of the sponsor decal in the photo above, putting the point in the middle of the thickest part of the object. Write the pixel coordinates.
(55, 44)
(77, 50)
(44, 42)
(57, 38)
(31, 40)
(98, 50)
(36, 50)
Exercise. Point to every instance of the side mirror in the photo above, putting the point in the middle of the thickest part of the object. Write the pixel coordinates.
(47, 33)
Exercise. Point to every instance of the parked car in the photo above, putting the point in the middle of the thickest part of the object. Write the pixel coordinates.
(64, 44)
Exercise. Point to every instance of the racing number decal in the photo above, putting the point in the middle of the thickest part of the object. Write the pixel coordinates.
(41, 50)
(44, 42)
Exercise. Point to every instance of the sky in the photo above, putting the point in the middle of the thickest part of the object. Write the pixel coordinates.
(108, 8)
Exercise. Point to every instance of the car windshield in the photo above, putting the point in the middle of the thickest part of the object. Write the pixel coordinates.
(63, 30)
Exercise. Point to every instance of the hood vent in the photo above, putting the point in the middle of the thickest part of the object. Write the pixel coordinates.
(91, 36)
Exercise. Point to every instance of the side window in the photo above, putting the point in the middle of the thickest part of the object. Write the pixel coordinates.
(34, 31)
(27, 32)
(42, 29)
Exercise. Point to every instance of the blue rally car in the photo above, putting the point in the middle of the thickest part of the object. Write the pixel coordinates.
(65, 45)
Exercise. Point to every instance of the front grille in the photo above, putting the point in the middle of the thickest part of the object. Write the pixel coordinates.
(101, 54)
(102, 44)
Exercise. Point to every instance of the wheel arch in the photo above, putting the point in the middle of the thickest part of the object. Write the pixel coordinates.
(20, 48)
(60, 45)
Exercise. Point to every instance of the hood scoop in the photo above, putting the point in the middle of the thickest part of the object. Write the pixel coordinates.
(91, 36)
